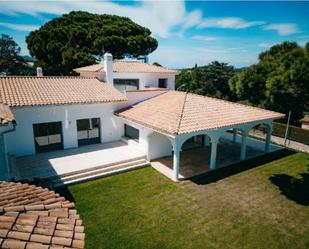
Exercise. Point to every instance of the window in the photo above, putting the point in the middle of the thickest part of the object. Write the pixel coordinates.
(131, 132)
(162, 83)
(88, 131)
(126, 84)
(47, 136)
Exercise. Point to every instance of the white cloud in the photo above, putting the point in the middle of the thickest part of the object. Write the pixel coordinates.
(283, 28)
(228, 23)
(162, 18)
(192, 19)
(265, 45)
(204, 38)
(303, 37)
(21, 27)
(170, 56)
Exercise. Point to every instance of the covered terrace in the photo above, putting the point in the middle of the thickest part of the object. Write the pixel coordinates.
(178, 117)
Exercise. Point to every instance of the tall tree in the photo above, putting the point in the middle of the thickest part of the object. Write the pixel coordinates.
(11, 63)
(184, 81)
(78, 39)
(211, 80)
(280, 80)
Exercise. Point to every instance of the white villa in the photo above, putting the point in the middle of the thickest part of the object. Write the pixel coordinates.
(130, 75)
(117, 116)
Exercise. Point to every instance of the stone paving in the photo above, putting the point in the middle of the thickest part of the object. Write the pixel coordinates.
(197, 161)
(61, 162)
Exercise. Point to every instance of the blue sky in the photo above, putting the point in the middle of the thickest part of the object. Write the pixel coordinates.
(188, 32)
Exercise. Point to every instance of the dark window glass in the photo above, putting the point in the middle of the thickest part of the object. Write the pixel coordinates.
(131, 132)
(47, 136)
(162, 83)
(83, 124)
(88, 131)
(126, 84)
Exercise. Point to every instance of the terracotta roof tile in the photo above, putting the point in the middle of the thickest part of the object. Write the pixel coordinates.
(34, 91)
(120, 66)
(179, 112)
(6, 116)
(39, 225)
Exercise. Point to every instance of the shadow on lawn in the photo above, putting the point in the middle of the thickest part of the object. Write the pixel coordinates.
(218, 174)
(295, 189)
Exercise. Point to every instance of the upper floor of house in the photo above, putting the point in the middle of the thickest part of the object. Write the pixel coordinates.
(130, 75)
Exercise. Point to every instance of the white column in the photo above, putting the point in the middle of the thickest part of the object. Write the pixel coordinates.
(234, 135)
(176, 160)
(268, 139)
(244, 136)
(147, 149)
(213, 156)
(206, 140)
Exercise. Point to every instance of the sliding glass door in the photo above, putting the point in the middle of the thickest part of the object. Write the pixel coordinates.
(47, 136)
(88, 131)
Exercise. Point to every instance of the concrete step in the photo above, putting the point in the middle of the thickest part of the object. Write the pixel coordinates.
(99, 173)
(102, 169)
(96, 168)
(129, 141)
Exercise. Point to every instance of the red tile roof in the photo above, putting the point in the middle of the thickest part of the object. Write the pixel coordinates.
(6, 116)
(127, 67)
(33, 91)
(176, 112)
(33, 217)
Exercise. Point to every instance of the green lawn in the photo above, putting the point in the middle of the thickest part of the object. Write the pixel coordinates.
(261, 203)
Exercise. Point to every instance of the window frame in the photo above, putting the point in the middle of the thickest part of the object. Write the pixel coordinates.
(44, 129)
(126, 126)
(127, 82)
(89, 127)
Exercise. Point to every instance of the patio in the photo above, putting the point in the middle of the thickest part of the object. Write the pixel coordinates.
(186, 116)
(196, 161)
(65, 162)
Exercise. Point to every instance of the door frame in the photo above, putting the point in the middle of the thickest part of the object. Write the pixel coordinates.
(37, 148)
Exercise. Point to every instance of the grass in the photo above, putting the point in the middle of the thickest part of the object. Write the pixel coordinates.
(261, 203)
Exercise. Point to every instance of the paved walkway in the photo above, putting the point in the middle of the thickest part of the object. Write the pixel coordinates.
(279, 140)
(66, 161)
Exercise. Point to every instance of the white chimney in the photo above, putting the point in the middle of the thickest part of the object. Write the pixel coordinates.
(108, 67)
(39, 72)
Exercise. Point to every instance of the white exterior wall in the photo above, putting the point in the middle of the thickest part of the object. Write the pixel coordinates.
(153, 144)
(4, 166)
(159, 146)
(148, 79)
(145, 79)
(143, 134)
(21, 142)
(138, 96)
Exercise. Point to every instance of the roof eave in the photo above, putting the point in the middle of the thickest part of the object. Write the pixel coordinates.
(173, 73)
(80, 103)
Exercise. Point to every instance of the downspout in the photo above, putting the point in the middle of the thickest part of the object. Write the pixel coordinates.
(6, 160)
